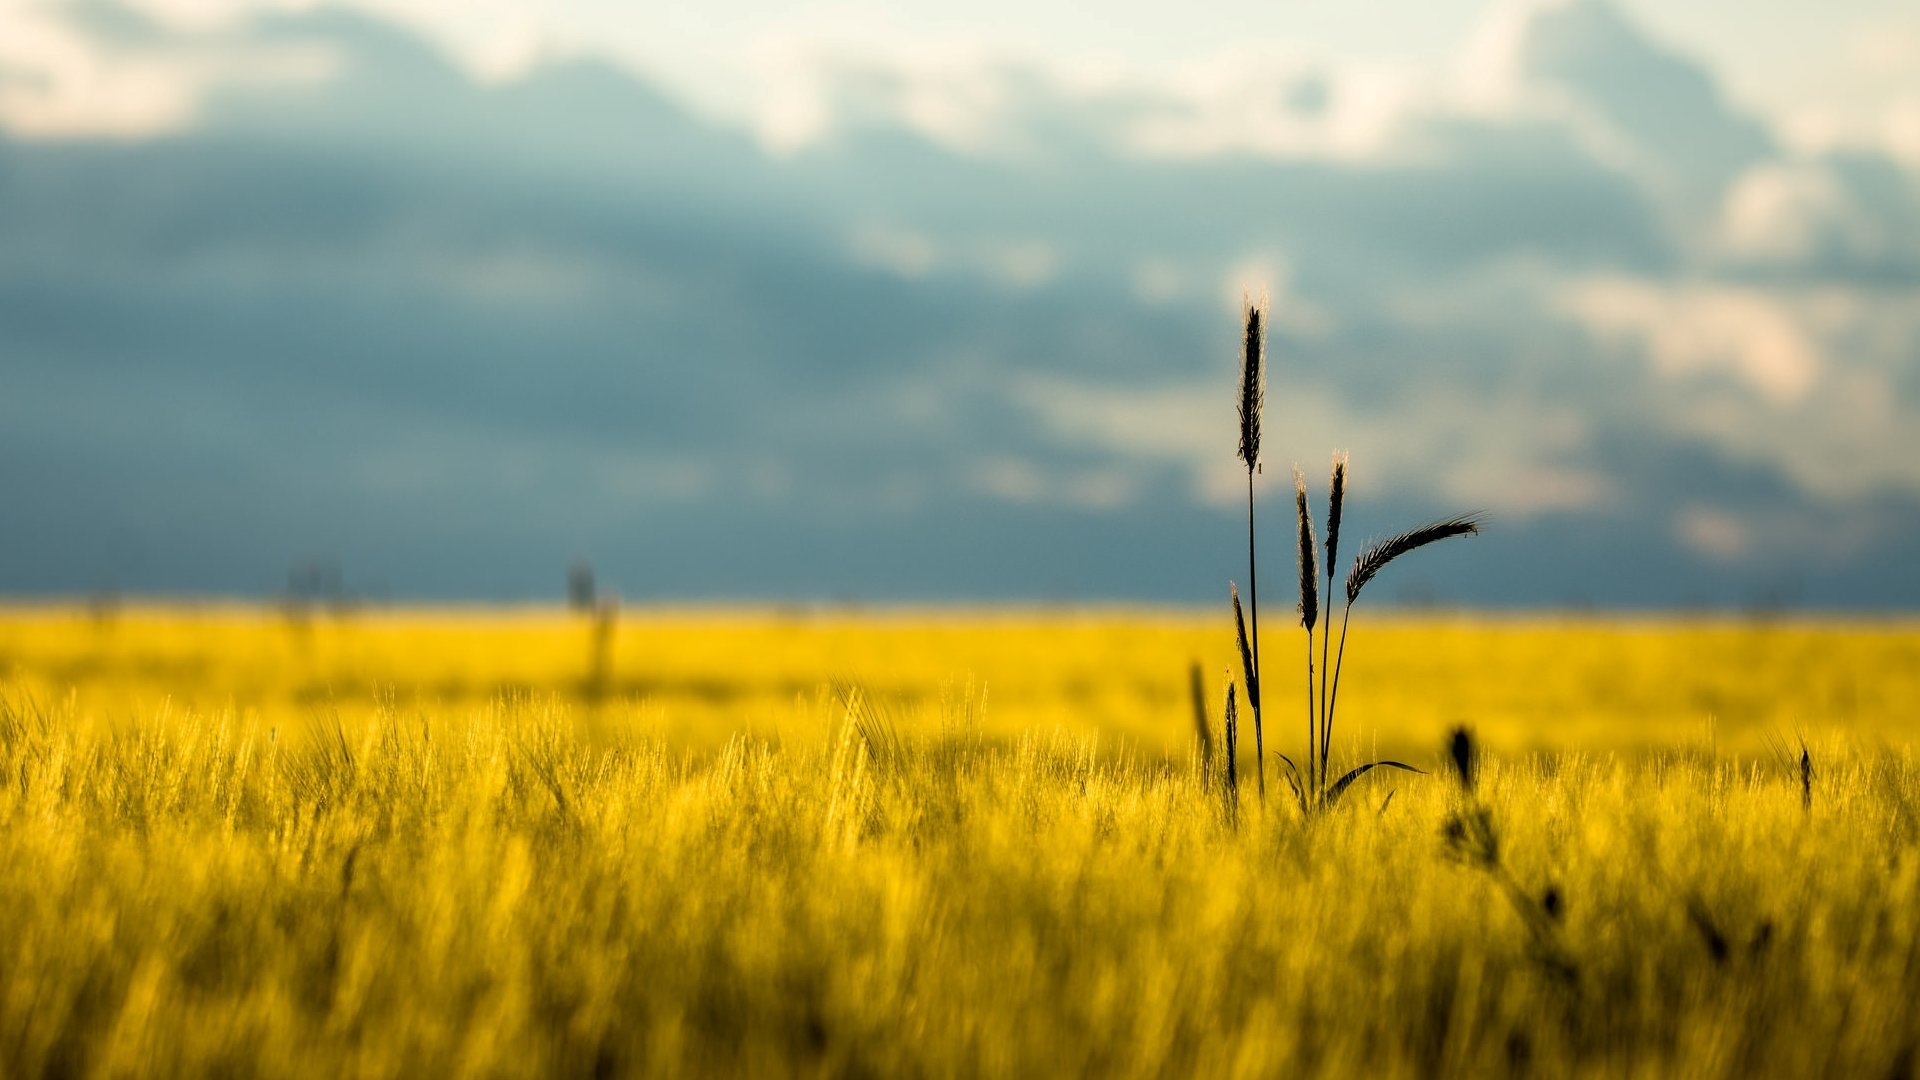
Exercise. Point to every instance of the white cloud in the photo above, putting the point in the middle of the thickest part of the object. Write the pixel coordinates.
(1160, 281)
(57, 78)
(1270, 277)
(1714, 533)
(1770, 533)
(1017, 480)
(1506, 455)
(1822, 213)
(1785, 212)
(1692, 331)
(905, 252)
(1803, 380)
(1021, 263)
(910, 253)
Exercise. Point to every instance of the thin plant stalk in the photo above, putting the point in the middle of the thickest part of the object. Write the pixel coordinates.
(1202, 729)
(1312, 776)
(1339, 659)
(1253, 597)
(1336, 497)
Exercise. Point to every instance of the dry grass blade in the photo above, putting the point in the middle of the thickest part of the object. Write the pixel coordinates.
(875, 724)
(1376, 556)
(1295, 780)
(1341, 785)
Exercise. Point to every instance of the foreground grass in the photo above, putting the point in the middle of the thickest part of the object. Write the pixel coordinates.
(529, 883)
(492, 894)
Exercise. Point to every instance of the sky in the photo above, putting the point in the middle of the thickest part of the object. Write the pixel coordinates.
(940, 302)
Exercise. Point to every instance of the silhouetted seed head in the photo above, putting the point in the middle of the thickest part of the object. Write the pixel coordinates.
(1247, 669)
(1551, 904)
(1466, 757)
(1309, 571)
(1202, 728)
(1469, 837)
(580, 589)
(1232, 748)
(1336, 495)
(1253, 384)
(1377, 555)
(1710, 935)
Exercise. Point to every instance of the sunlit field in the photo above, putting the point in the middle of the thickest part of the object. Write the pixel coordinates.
(307, 843)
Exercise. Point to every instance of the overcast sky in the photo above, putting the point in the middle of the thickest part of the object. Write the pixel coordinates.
(792, 301)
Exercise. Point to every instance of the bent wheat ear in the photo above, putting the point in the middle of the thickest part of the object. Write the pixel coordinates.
(1376, 556)
(1247, 670)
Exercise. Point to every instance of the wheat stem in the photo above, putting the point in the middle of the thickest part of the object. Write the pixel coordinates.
(1339, 661)
(1253, 674)
(1336, 498)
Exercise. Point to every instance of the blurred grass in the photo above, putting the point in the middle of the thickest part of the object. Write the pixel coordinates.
(698, 676)
(414, 843)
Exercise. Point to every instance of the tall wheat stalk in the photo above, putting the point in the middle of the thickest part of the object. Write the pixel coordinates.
(1202, 728)
(1252, 397)
(1309, 602)
(1336, 498)
(1232, 748)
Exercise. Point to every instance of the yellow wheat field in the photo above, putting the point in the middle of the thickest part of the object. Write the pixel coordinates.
(257, 842)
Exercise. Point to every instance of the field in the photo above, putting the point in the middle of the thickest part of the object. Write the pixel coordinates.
(247, 841)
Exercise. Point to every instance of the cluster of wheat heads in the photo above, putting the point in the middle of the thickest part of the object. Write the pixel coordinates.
(1311, 780)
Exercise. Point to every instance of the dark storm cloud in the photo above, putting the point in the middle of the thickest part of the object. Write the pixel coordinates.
(453, 334)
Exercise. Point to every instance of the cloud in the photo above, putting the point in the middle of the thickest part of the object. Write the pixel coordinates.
(1509, 456)
(106, 71)
(1850, 215)
(1639, 104)
(1817, 383)
(966, 327)
(1698, 331)
(1020, 481)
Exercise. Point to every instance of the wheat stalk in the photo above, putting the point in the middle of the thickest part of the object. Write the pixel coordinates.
(1247, 669)
(1253, 388)
(1309, 598)
(1336, 498)
(1202, 728)
(1232, 749)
